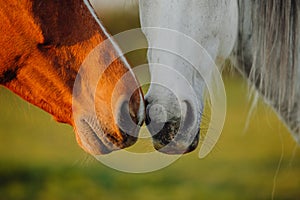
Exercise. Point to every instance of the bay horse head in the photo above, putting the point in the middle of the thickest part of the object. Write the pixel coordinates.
(43, 46)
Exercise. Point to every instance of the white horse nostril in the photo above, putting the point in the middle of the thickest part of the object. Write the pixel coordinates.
(157, 113)
(190, 115)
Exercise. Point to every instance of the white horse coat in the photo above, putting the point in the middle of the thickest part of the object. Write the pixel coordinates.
(239, 29)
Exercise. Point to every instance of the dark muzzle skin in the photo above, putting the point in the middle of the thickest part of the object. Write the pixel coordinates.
(177, 135)
(97, 137)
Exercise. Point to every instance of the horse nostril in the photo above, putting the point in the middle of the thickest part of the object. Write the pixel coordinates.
(189, 115)
(147, 118)
(127, 119)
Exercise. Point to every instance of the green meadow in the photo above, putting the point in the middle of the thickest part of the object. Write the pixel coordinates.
(40, 159)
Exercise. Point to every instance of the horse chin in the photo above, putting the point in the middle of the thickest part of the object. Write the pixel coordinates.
(96, 141)
(171, 134)
(173, 139)
(175, 146)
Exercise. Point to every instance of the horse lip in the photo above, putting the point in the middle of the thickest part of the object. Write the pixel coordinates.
(175, 147)
(105, 141)
(178, 135)
(91, 140)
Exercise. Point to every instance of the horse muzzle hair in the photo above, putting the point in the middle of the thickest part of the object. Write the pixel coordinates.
(108, 110)
(97, 137)
(172, 118)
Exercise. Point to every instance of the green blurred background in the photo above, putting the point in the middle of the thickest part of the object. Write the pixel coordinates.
(40, 159)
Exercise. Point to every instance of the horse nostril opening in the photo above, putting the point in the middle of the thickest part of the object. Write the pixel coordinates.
(147, 118)
(129, 112)
(124, 109)
(127, 119)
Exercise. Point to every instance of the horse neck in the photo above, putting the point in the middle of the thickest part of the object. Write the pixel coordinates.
(268, 46)
(43, 44)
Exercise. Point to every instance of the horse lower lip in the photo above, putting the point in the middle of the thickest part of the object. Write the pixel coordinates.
(177, 147)
(175, 150)
(97, 146)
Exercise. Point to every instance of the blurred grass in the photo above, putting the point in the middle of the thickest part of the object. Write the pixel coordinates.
(39, 158)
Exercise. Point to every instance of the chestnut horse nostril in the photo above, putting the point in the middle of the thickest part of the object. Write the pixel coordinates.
(127, 119)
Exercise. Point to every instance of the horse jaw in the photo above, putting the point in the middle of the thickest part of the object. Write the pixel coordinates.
(188, 35)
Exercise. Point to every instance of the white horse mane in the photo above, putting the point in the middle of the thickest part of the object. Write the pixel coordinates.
(273, 63)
